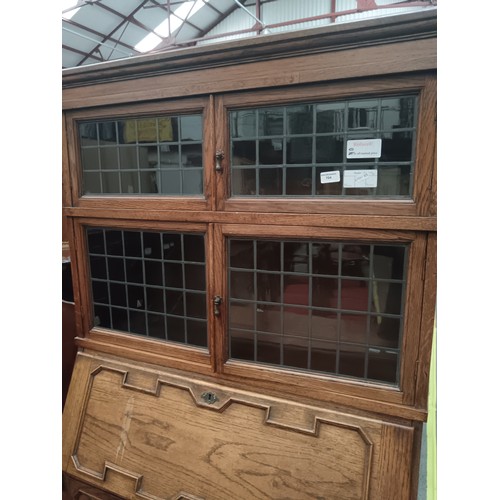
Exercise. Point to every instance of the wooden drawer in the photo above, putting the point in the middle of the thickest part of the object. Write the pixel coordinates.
(143, 433)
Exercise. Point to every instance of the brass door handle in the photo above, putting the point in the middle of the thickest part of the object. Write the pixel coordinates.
(217, 303)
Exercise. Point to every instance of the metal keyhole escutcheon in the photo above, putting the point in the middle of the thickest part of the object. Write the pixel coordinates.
(209, 398)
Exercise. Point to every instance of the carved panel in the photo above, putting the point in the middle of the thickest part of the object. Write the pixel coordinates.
(141, 433)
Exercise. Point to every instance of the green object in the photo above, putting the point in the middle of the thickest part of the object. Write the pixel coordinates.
(432, 427)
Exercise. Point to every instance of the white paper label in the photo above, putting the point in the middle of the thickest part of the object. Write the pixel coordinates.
(364, 148)
(360, 178)
(327, 177)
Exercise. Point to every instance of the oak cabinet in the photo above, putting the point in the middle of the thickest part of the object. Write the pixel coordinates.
(255, 266)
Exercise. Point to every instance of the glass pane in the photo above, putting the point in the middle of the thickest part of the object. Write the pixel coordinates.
(312, 312)
(100, 292)
(329, 149)
(268, 318)
(268, 287)
(172, 249)
(196, 305)
(116, 269)
(270, 181)
(300, 119)
(299, 181)
(170, 181)
(153, 272)
(107, 133)
(243, 182)
(299, 150)
(197, 333)
(194, 248)
(241, 345)
(176, 329)
(397, 113)
(295, 353)
(191, 128)
(271, 152)
(95, 238)
(156, 326)
(91, 183)
(296, 321)
(242, 286)
(168, 129)
(323, 357)
(192, 181)
(242, 315)
(241, 254)
(169, 156)
(98, 267)
(118, 293)
(354, 328)
(296, 290)
(330, 117)
(150, 144)
(244, 153)
(397, 146)
(134, 272)
(324, 325)
(90, 159)
(194, 276)
(129, 182)
(173, 275)
(155, 299)
(149, 182)
(342, 121)
(355, 260)
(111, 182)
(191, 155)
(296, 257)
(119, 320)
(354, 295)
(325, 292)
(138, 322)
(384, 331)
(270, 121)
(269, 255)
(108, 158)
(147, 157)
(243, 123)
(88, 133)
(114, 242)
(102, 316)
(362, 114)
(136, 299)
(175, 302)
(382, 365)
(268, 349)
(352, 360)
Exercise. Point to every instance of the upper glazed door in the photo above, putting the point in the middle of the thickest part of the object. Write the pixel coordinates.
(151, 156)
(361, 148)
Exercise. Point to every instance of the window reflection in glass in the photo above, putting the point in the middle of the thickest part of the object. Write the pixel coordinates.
(149, 283)
(313, 137)
(322, 306)
(167, 150)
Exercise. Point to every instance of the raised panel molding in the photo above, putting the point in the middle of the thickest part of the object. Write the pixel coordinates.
(157, 435)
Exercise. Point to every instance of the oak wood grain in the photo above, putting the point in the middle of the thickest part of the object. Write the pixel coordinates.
(146, 433)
